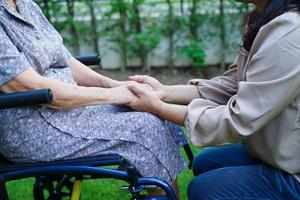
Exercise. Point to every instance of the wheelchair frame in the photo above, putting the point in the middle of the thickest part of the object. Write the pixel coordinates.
(70, 173)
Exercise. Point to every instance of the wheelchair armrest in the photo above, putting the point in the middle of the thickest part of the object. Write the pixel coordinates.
(88, 60)
(25, 98)
(39, 96)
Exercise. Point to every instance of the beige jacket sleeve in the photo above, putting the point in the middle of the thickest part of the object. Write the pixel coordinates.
(218, 89)
(272, 82)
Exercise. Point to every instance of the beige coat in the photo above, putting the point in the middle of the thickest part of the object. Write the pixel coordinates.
(258, 100)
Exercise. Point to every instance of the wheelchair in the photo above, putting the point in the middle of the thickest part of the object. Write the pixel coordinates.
(62, 179)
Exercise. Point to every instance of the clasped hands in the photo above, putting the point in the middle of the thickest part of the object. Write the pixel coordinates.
(142, 93)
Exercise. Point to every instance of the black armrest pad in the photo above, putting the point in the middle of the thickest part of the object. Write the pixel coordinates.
(34, 97)
(88, 60)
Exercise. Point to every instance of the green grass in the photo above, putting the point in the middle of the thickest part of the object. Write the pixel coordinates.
(95, 189)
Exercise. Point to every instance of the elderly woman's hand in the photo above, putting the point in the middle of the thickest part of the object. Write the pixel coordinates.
(146, 100)
(154, 83)
(122, 95)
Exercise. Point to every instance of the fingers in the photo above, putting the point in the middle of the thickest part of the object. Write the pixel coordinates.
(138, 78)
(146, 86)
(135, 89)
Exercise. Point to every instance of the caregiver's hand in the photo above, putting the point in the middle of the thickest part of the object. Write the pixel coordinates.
(154, 83)
(148, 101)
(145, 100)
(131, 82)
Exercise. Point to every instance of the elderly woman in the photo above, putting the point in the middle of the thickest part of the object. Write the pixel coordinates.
(257, 101)
(80, 121)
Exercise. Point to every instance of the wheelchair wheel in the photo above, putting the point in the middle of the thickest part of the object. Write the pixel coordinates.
(53, 188)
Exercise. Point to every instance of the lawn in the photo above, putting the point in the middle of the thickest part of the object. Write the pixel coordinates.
(95, 189)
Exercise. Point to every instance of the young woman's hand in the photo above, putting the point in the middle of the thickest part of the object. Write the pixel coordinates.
(148, 101)
(154, 83)
(143, 85)
(145, 100)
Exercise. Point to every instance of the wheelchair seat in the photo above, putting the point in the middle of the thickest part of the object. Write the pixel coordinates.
(102, 160)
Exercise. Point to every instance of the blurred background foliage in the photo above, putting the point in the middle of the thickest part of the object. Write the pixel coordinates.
(134, 29)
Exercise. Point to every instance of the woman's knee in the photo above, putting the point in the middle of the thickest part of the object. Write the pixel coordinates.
(204, 161)
(192, 189)
(197, 188)
(225, 156)
(214, 184)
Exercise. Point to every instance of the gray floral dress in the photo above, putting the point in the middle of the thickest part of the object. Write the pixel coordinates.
(36, 133)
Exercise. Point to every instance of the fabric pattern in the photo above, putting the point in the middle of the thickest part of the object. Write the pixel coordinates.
(36, 133)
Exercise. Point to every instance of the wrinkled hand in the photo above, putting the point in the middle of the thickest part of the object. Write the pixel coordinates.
(154, 83)
(145, 100)
(122, 95)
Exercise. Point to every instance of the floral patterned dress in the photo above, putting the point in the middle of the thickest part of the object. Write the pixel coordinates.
(36, 133)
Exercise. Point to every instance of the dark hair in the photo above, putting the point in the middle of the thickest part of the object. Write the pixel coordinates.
(256, 20)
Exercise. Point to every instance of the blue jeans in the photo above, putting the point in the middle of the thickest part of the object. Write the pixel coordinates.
(229, 172)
